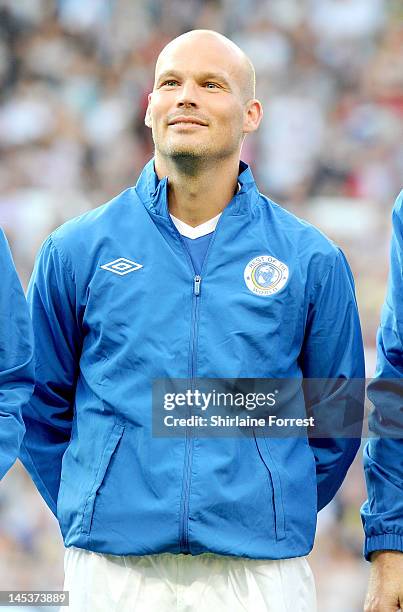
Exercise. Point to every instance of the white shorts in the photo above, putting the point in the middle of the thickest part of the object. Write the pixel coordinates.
(186, 583)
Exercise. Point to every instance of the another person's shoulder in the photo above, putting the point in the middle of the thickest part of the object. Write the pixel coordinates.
(3, 241)
(5, 252)
(398, 208)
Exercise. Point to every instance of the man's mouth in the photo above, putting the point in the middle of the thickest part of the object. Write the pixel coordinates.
(187, 121)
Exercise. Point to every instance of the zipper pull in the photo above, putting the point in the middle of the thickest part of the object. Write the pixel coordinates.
(196, 284)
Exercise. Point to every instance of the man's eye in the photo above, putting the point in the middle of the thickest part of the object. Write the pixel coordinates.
(170, 83)
(210, 85)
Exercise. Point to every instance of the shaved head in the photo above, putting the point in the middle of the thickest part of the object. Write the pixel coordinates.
(242, 66)
(203, 101)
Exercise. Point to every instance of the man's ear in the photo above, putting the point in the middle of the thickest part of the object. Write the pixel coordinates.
(253, 116)
(147, 118)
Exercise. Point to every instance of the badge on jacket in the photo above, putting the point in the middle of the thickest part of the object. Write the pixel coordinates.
(265, 275)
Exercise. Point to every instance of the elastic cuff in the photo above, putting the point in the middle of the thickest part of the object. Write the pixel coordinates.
(385, 541)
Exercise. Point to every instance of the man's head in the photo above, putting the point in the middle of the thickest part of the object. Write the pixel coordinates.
(202, 104)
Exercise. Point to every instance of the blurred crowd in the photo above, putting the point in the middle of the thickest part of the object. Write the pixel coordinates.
(74, 79)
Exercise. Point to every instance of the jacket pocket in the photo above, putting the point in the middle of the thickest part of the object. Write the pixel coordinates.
(274, 477)
(108, 452)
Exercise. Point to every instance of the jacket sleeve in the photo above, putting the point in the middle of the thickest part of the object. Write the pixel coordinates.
(333, 357)
(16, 359)
(48, 416)
(382, 513)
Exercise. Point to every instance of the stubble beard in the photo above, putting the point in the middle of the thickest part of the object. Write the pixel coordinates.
(192, 160)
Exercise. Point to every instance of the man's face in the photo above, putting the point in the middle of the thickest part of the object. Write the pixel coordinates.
(197, 107)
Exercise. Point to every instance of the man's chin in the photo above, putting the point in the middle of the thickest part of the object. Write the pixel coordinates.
(192, 153)
(187, 153)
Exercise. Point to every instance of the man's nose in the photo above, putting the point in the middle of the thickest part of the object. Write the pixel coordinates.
(187, 95)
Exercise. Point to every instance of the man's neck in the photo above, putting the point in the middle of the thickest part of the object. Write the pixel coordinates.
(199, 196)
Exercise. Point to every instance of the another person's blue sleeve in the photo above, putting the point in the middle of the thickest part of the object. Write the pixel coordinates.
(333, 356)
(48, 416)
(382, 513)
(16, 359)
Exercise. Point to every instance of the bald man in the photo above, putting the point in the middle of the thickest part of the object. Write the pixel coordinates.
(191, 274)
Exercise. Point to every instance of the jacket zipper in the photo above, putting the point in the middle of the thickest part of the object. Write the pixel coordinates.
(197, 279)
(184, 537)
(187, 468)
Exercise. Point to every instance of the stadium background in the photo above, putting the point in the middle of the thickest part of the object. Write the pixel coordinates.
(74, 78)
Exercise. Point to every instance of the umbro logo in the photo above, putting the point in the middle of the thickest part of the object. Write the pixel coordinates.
(121, 266)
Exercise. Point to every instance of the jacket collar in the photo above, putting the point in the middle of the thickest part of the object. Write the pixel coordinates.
(153, 192)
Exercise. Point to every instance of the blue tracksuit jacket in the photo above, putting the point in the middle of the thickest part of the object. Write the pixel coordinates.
(382, 513)
(16, 358)
(103, 335)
